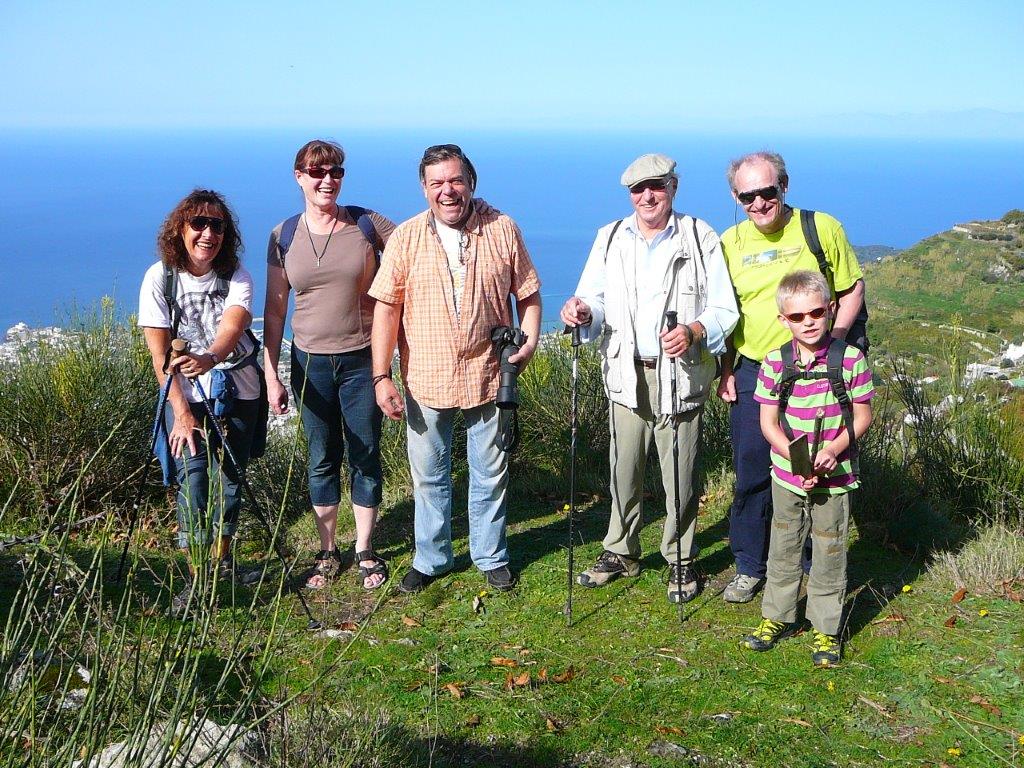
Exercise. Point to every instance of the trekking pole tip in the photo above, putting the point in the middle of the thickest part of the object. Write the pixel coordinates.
(314, 625)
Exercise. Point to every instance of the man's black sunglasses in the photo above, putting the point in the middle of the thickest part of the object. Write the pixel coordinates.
(765, 193)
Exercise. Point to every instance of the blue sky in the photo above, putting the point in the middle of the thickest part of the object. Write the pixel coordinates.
(899, 67)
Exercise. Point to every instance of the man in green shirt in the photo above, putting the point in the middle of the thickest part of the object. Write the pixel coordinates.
(758, 253)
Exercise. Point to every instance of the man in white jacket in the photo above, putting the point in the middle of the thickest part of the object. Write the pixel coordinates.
(640, 267)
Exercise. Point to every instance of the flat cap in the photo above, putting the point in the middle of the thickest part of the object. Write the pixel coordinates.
(647, 167)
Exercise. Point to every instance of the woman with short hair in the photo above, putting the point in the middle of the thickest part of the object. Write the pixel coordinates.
(328, 255)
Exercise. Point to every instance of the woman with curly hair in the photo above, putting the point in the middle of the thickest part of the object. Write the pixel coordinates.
(327, 254)
(200, 292)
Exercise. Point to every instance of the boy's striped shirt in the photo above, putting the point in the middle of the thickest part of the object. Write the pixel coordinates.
(807, 397)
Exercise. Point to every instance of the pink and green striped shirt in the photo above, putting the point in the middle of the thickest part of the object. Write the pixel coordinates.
(807, 397)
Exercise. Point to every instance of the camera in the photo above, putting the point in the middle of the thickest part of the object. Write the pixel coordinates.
(507, 342)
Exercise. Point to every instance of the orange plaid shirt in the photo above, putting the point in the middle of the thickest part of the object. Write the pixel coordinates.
(448, 361)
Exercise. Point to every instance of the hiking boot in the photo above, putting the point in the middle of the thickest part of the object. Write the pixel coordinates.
(501, 579)
(183, 602)
(684, 585)
(414, 581)
(609, 566)
(825, 652)
(742, 588)
(767, 634)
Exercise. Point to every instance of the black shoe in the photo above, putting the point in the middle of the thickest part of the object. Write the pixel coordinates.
(414, 581)
(683, 585)
(501, 579)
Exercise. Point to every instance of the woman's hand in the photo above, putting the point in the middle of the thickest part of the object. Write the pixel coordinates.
(190, 365)
(277, 394)
(183, 433)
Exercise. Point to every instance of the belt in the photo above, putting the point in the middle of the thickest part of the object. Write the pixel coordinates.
(646, 362)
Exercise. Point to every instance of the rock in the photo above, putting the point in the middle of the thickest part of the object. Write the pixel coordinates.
(1014, 353)
(211, 745)
(668, 750)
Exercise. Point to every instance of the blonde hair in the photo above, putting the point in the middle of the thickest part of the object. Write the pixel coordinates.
(802, 282)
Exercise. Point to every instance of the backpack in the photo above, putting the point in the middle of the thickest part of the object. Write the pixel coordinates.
(359, 215)
(858, 333)
(791, 372)
(696, 238)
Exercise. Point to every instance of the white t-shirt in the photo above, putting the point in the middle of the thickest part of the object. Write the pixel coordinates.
(451, 239)
(201, 311)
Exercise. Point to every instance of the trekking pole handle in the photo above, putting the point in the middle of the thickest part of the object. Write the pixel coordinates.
(575, 335)
(179, 346)
(671, 320)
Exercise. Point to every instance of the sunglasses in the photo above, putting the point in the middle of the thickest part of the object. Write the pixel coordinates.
(655, 185)
(315, 172)
(199, 223)
(765, 193)
(815, 314)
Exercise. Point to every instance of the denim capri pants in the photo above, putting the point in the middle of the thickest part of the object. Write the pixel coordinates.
(338, 405)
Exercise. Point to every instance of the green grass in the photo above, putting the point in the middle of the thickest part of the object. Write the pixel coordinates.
(904, 692)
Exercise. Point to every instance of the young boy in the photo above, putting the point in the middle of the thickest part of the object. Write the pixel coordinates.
(820, 502)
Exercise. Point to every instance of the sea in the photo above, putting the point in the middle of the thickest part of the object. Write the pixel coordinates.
(79, 209)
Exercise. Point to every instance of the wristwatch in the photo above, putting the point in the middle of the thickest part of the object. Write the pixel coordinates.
(214, 356)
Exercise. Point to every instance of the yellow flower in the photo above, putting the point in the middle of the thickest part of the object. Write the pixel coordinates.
(983, 612)
(1020, 739)
(482, 593)
(565, 507)
(953, 752)
(907, 588)
(831, 687)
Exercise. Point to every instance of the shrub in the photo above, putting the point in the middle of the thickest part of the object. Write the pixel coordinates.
(988, 564)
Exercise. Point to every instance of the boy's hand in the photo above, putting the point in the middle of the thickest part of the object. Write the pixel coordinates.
(825, 461)
(809, 482)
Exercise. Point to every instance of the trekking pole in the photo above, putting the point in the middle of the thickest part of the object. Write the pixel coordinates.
(671, 321)
(313, 623)
(178, 346)
(815, 444)
(575, 331)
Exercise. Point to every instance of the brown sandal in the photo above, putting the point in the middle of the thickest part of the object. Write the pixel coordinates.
(326, 565)
(379, 566)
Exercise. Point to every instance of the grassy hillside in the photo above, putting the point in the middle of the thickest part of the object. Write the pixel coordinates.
(948, 276)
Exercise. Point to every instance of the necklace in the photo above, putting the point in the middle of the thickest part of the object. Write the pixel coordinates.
(320, 255)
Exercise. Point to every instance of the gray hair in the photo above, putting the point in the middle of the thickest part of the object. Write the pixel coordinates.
(802, 282)
(774, 159)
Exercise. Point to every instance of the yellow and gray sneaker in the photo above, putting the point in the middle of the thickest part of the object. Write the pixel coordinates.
(609, 566)
(767, 634)
(826, 649)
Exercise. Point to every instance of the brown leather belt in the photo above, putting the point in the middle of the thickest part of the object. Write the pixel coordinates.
(646, 362)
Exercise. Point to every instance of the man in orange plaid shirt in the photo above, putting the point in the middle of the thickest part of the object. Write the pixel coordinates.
(445, 282)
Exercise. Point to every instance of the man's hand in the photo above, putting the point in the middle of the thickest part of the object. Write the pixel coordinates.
(727, 387)
(677, 341)
(277, 394)
(576, 312)
(388, 399)
(522, 358)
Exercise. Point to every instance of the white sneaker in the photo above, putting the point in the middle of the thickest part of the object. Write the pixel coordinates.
(742, 588)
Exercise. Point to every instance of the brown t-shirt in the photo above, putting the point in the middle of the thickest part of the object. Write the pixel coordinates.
(333, 312)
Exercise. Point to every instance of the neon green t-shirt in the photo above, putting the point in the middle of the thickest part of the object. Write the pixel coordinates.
(757, 262)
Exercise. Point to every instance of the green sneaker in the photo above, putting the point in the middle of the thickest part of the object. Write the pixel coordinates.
(826, 649)
(763, 638)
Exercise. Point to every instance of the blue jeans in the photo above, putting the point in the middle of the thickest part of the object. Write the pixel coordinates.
(751, 512)
(429, 436)
(209, 483)
(338, 406)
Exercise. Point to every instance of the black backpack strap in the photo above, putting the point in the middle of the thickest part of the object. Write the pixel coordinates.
(611, 235)
(784, 386)
(696, 239)
(810, 230)
(362, 219)
(171, 298)
(836, 354)
(284, 240)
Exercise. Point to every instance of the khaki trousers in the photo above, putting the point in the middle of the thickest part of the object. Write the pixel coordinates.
(631, 434)
(828, 523)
